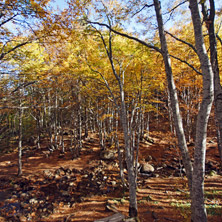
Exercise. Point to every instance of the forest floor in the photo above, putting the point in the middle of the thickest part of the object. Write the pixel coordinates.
(57, 188)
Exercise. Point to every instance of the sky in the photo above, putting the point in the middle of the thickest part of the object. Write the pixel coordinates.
(61, 4)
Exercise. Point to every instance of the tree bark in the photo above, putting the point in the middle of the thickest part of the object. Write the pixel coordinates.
(20, 140)
(209, 21)
(173, 97)
(133, 209)
(197, 204)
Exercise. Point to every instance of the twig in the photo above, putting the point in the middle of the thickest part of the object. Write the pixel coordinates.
(220, 40)
(180, 40)
(185, 62)
(127, 36)
(145, 6)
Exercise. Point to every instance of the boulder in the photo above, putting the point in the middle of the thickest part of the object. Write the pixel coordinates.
(107, 155)
(146, 168)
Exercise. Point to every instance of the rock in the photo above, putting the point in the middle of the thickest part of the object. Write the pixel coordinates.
(16, 186)
(146, 168)
(14, 197)
(57, 177)
(113, 183)
(148, 139)
(23, 195)
(22, 218)
(47, 174)
(107, 155)
(71, 184)
(60, 172)
(33, 201)
(64, 193)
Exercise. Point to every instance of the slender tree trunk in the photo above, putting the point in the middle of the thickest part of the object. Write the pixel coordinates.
(197, 206)
(79, 123)
(209, 21)
(20, 138)
(38, 125)
(55, 120)
(173, 97)
(62, 132)
(129, 161)
(86, 124)
(133, 211)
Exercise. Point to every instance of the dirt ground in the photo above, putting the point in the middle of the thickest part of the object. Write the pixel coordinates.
(59, 188)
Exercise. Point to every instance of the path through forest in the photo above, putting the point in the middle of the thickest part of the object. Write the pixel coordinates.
(57, 188)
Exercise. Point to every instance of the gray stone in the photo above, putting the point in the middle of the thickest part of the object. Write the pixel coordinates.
(47, 174)
(64, 193)
(33, 201)
(107, 155)
(147, 168)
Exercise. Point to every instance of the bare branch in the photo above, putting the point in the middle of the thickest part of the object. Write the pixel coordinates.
(23, 85)
(220, 40)
(9, 19)
(185, 62)
(180, 40)
(173, 9)
(145, 6)
(13, 49)
(105, 82)
(127, 36)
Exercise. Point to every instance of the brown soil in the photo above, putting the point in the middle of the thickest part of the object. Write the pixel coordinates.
(94, 185)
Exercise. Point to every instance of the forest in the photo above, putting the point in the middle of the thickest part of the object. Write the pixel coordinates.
(110, 110)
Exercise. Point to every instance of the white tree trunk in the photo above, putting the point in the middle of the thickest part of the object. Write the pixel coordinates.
(197, 206)
(173, 97)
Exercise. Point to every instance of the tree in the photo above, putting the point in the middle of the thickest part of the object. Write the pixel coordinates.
(198, 207)
(196, 177)
(21, 16)
(209, 20)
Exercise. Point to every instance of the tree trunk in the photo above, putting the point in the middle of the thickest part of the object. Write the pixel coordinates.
(197, 205)
(129, 161)
(20, 139)
(173, 97)
(209, 21)
(86, 123)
